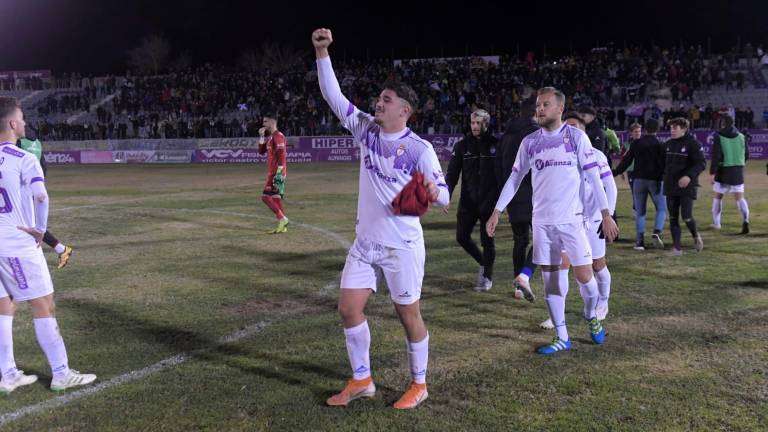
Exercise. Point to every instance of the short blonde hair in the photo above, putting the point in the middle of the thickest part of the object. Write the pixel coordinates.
(560, 96)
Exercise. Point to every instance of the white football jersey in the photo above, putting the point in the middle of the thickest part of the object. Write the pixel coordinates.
(591, 204)
(557, 160)
(387, 163)
(18, 170)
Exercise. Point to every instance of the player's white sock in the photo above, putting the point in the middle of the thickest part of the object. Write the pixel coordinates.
(555, 298)
(418, 354)
(50, 340)
(590, 294)
(744, 208)
(717, 209)
(603, 285)
(60, 248)
(7, 362)
(358, 345)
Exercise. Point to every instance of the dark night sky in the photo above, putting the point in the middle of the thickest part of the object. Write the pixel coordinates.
(93, 35)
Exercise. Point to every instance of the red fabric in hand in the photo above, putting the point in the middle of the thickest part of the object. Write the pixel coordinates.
(413, 200)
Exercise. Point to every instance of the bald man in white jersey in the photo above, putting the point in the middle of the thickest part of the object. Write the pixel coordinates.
(558, 156)
(24, 273)
(390, 154)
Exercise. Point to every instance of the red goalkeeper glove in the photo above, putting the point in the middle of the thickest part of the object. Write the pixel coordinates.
(413, 200)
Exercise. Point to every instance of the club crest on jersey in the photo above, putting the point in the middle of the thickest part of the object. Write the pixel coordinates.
(400, 150)
(682, 150)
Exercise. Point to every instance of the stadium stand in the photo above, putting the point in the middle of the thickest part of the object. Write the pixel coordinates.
(213, 102)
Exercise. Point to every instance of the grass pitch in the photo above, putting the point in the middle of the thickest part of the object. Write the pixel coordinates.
(195, 319)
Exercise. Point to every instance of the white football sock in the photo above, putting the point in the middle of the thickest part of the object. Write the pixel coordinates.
(590, 294)
(603, 285)
(555, 299)
(744, 208)
(717, 209)
(358, 345)
(50, 340)
(418, 354)
(7, 361)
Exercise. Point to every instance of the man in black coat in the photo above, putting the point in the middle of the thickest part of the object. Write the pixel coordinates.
(684, 162)
(520, 209)
(474, 160)
(594, 131)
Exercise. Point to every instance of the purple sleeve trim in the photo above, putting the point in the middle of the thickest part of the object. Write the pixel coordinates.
(37, 179)
(589, 166)
(350, 109)
(606, 174)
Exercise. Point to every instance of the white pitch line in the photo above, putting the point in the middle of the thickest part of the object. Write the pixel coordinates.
(169, 362)
(128, 377)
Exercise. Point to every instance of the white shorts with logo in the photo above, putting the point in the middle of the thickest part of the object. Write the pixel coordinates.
(723, 188)
(549, 241)
(403, 269)
(25, 278)
(595, 242)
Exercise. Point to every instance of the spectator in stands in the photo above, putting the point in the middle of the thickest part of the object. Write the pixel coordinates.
(209, 100)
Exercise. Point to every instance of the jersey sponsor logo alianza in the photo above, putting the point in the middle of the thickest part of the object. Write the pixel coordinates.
(541, 164)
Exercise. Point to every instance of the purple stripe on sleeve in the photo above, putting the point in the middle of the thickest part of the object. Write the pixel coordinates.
(589, 166)
(18, 273)
(350, 109)
(11, 151)
(37, 179)
(605, 174)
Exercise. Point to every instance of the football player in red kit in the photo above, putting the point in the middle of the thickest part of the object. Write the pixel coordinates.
(272, 142)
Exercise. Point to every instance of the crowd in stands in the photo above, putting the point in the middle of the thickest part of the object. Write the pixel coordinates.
(212, 102)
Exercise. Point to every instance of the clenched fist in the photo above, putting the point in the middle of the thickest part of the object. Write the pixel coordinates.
(322, 38)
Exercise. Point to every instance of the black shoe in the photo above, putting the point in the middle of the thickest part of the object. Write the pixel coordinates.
(745, 228)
